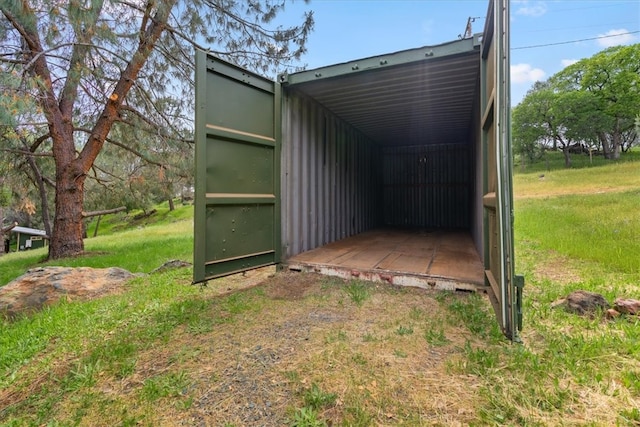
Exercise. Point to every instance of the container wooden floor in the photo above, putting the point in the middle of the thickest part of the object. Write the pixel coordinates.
(430, 256)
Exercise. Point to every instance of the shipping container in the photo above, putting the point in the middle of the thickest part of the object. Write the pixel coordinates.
(394, 168)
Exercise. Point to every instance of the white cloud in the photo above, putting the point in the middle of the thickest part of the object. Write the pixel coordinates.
(567, 62)
(615, 38)
(524, 73)
(534, 9)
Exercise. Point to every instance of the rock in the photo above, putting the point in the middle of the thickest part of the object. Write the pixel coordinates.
(627, 306)
(583, 302)
(174, 263)
(45, 285)
(611, 314)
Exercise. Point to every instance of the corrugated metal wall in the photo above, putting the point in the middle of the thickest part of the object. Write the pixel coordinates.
(477, 208)
(427, 186)
(330, 177)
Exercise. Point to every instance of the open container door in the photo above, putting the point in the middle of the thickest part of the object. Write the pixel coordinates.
(504, 288)
(237, 207)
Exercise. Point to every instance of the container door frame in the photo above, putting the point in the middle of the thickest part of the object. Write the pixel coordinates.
(237, 156)
(504, 288)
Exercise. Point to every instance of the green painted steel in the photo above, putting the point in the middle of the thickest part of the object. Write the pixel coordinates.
(237, 200)
(505, 289)
(410, 56)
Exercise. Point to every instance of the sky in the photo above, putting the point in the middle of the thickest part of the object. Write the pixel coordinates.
(546, 36)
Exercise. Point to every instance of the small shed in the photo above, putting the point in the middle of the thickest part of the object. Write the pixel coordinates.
(29, 238)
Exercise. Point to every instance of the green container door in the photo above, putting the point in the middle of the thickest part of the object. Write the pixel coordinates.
(237, 212)
(504, 288)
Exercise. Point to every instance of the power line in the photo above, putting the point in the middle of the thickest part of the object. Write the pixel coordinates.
(609, 25)
(575, 41)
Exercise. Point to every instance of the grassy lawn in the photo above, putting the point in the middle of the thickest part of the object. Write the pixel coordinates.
(137, 246)
(305, 350)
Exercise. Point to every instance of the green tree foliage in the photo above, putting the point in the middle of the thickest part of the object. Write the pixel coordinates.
(21, 174)
(613, 77)
(591, 104)
(530, 128)
(90, 74)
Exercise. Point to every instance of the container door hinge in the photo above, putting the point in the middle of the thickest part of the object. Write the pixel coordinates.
(518, 281)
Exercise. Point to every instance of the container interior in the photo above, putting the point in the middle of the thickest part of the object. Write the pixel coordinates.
(390, 143)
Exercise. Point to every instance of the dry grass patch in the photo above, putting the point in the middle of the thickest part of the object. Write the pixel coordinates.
(294, 335)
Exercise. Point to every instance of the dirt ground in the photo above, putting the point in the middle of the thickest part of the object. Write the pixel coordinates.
(262, 344)
(255, 370)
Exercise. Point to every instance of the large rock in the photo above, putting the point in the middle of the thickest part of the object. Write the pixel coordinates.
(45, 285)
(583, 302)
(627, 306)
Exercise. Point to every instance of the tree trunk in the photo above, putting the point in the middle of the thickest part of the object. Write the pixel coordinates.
(616, 152)
(171, 205)
(66, 239)
(567, 157)
(616, 141)
(606, 148)
(103, 212)
(1, 232)
(95, 232)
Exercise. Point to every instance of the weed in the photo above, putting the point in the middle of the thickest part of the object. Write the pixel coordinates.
(329, 282)
(416, 313)
(129, 420)
(201, 326)
(631, 380)
(292, 376)
(359, 359)
(357, 417)
(336, 337)
(369, 337)
(473, 312)
(186, 403)
(125, 368)
(444, 296)
(165, 385)
(404, 330)
(436, 337)
(239, 302)
(400, 353)
(480, 360)
(315, 398)
(307, 417)
(84, 374)
(630, 416)
(358, 292)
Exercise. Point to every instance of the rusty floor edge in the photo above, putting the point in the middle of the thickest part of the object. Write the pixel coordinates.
(399, 278)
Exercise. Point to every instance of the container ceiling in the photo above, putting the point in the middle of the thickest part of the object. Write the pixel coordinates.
(413, 97)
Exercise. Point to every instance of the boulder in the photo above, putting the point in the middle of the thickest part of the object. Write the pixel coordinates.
(583, 302)
(627, 306)
(170, 265)
(45, 285)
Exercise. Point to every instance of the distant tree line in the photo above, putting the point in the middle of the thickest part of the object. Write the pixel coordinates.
(589, 107)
